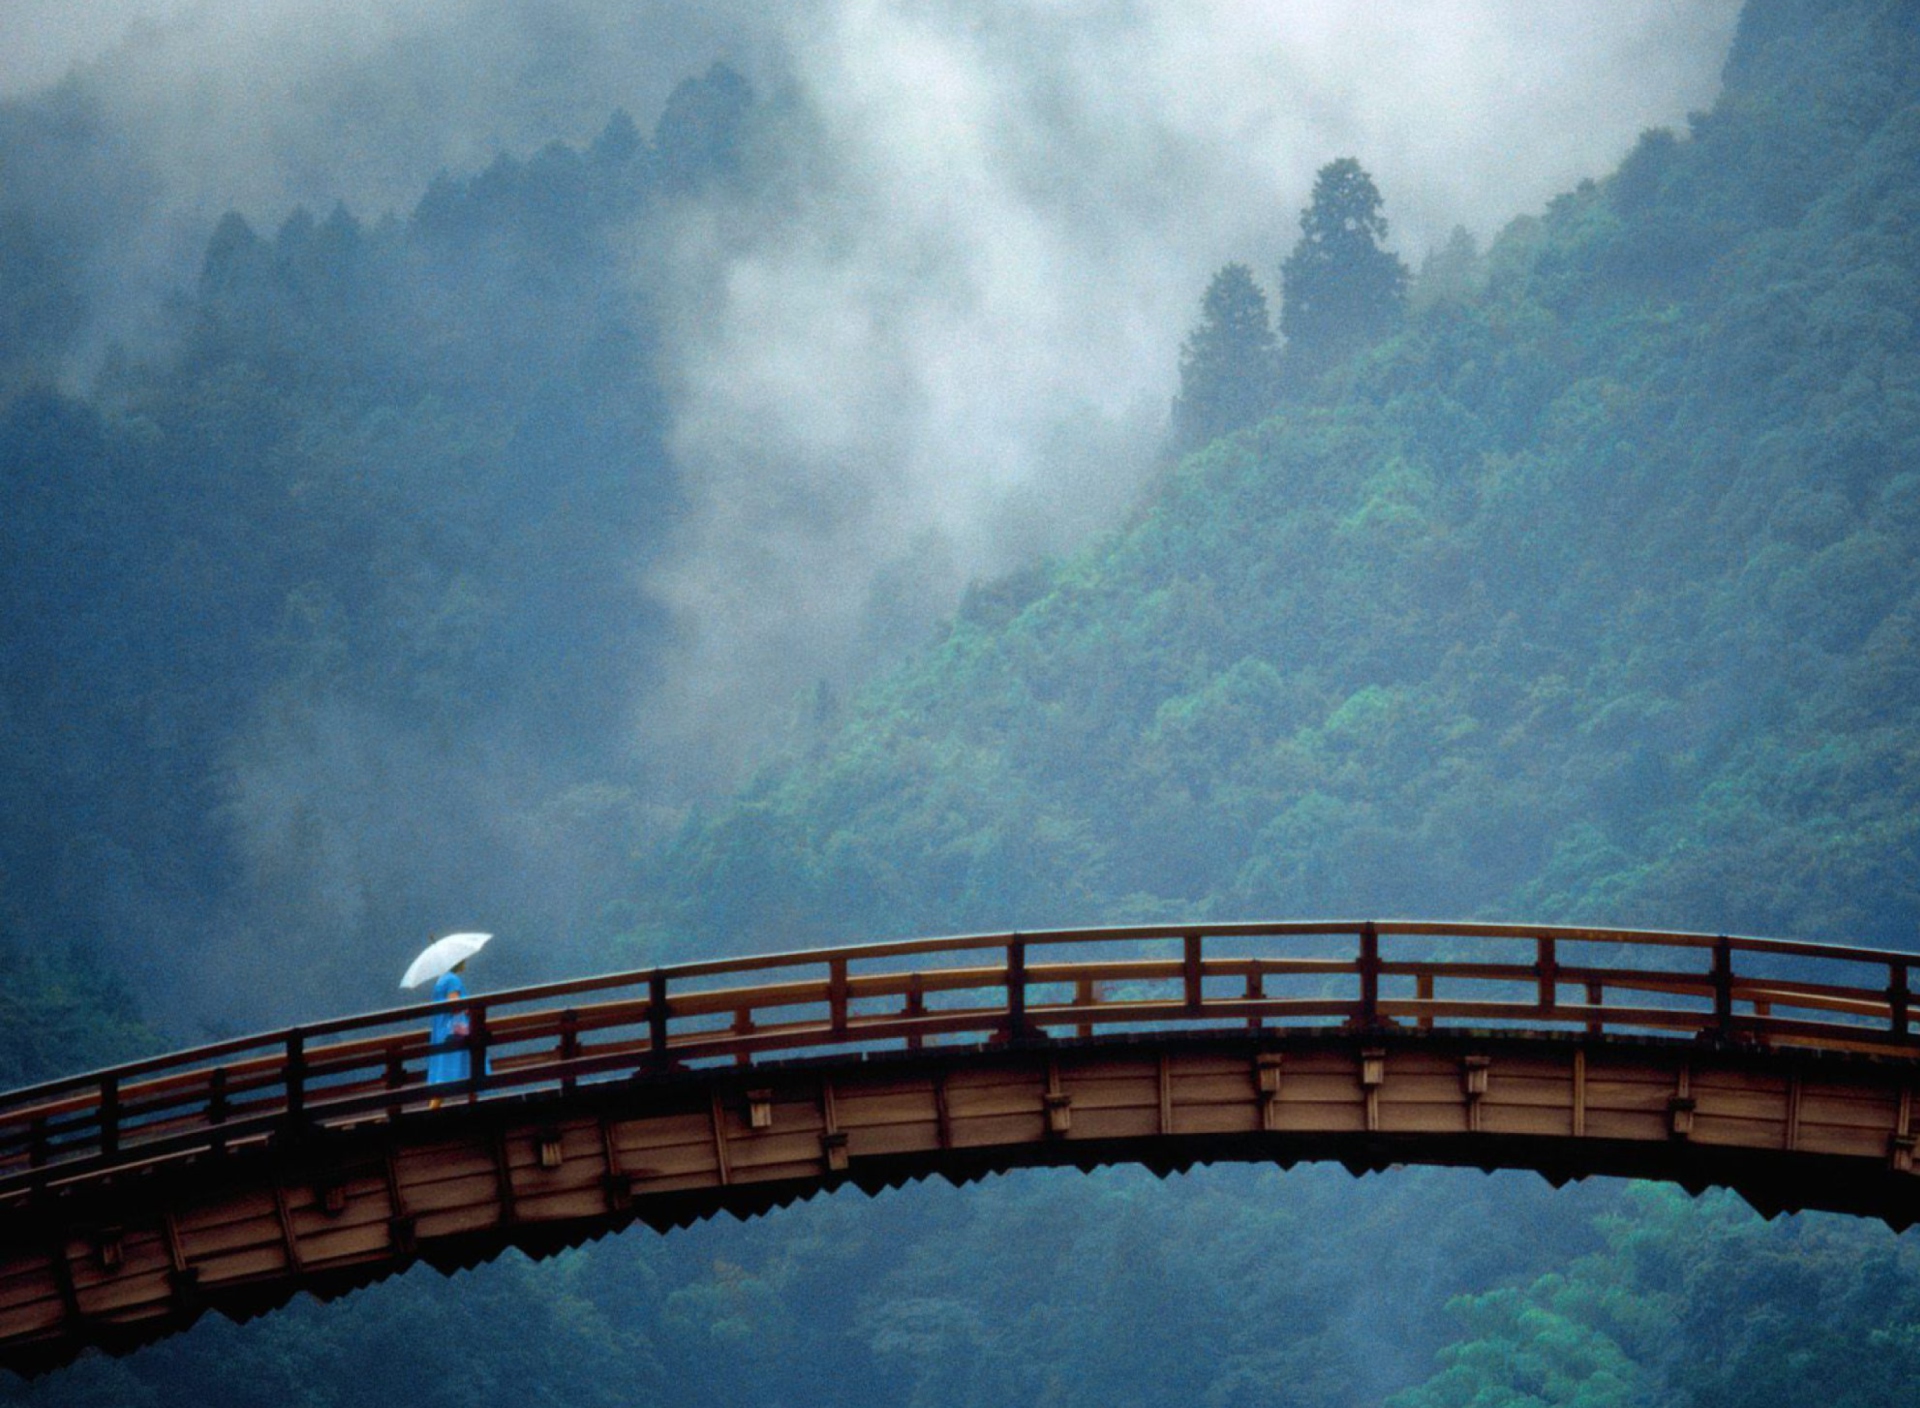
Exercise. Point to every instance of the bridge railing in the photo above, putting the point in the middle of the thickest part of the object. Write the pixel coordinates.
(1414, 976)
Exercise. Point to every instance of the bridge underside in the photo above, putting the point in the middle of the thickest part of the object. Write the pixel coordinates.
(116, 1263)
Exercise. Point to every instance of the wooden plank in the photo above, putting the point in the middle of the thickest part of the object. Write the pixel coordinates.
(981, 1131)
(204, 1217)
(241, 1266)
(24, 1321)
(1242, 1118)
(260, 1231)
(145, 1292)
(638, 1138)
(1211, 1089)
(1320, 1116)
(477, 1190)
(348, 1246)
(785, 1147)
(719, 1123)
(894, 1139)
(898, 1104)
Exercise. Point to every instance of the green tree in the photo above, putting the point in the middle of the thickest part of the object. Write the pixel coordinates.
(1340, 289)
(1228, 362)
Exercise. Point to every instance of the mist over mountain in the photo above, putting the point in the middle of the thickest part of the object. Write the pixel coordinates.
(516, 358)
(445, 445)
(993, 240)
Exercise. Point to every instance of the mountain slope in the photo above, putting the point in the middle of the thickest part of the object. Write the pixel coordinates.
(1591, 595)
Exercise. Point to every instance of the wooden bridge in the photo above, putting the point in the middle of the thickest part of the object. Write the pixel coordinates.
(233, 1176)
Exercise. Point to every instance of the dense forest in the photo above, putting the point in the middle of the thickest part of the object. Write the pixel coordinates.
(1576, 578)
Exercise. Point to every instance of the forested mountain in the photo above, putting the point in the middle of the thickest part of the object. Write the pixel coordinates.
(1589, 594)
(1583, 588)
(361, 539)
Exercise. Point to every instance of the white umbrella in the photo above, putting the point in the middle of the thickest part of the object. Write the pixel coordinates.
(441, 955)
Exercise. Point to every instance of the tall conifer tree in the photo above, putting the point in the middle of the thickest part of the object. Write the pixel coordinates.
(1340, 290)
(1227, 364)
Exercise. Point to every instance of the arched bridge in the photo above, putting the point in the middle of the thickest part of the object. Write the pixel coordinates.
(233, 1176)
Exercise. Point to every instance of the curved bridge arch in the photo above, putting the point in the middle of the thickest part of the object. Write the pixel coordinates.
(234, 1176)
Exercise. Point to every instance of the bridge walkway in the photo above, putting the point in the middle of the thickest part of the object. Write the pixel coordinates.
(235, 1175)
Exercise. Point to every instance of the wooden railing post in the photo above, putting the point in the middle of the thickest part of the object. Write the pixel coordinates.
(1191, 972)
(476, 1052)
(916, 1005)
(1016, 988)
(1722, 989)
(1899, 996)
(1596, 998)
(109, 1115)
(837, 995)
(396, 1079)
(569, 1048)
(1547, 966)
(217, 1108)
(295, 1075)
(1369, 966)
(657, 1018)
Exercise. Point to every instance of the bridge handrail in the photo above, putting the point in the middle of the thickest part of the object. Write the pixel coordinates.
(241, 1087)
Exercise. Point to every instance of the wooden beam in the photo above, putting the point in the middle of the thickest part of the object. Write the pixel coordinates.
(833, 1139)
(723, 1167)
(1267, 1070)
(1057, 1103)
(291, 1242)
(1681, 1104)
(1473, 1084)
(618, 1187)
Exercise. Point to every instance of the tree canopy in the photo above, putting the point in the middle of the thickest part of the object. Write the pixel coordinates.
(1228, 363)
(1340, 289)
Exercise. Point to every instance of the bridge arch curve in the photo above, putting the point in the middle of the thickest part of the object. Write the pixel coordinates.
(234, 1176)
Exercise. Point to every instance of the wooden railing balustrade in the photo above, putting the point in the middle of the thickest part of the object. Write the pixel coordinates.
(1011, 988)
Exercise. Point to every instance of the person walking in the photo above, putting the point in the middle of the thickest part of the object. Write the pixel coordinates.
(449, 1062)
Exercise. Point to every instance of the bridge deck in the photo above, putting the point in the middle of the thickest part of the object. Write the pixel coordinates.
(236, 1175)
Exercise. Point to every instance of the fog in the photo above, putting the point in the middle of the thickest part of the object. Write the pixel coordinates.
(943, 345)
(952, 349)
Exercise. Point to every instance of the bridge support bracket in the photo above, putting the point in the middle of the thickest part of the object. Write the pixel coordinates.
(110, 1247)
(1057, 1103)
(759, 1109)
(1059, 1106)
(1267, 1067)
(1681, 1108)
(1473, 1084)
(1373, 1075)
(403, 1233)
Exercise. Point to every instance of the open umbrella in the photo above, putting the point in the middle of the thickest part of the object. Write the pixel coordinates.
(441, 955)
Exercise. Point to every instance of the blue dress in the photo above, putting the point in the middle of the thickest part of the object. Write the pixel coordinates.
(448, 1025)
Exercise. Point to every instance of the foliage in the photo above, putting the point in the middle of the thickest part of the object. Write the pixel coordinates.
(1589, 589)
(1339, 288)
(1228, 363)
